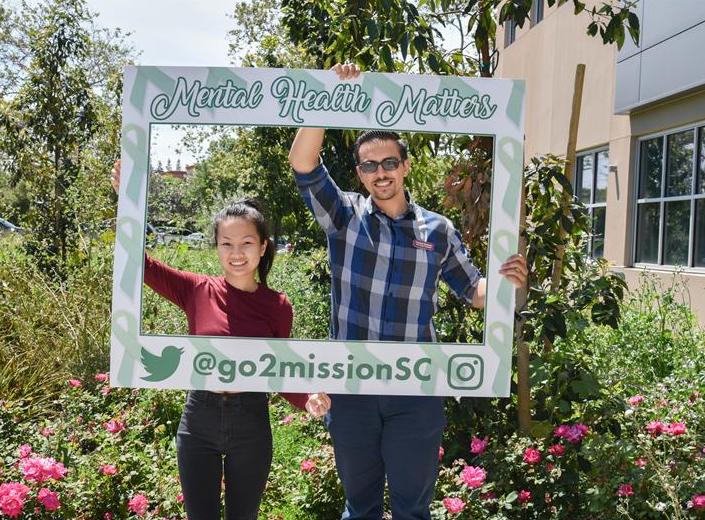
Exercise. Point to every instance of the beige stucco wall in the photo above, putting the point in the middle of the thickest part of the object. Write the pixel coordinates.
(545, 56)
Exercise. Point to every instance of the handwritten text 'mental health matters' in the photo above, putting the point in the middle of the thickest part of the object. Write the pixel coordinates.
(296, 99)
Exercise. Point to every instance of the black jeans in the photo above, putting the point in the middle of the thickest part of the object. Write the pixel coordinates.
(224, 435)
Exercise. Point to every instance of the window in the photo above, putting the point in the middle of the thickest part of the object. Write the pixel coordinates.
(510, 32)
(670, 212)
(591, 173)
(537, 12)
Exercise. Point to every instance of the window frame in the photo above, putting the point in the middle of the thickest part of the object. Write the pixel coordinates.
(590, 206)
(510, 32)
(698, 130)
(538, 11)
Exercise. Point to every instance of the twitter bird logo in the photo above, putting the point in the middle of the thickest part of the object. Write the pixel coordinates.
(161, 367)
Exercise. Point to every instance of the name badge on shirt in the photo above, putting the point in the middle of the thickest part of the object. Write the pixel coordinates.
(420, 244)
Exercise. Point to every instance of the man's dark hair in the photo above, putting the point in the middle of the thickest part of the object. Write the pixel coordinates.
(379, 135)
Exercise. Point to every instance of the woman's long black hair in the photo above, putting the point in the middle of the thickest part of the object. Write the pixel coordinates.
(251, 210)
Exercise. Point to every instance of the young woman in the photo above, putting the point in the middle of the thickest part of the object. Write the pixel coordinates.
(226, 437)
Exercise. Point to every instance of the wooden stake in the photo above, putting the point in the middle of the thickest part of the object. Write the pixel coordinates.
(568, 172)
(523, 388)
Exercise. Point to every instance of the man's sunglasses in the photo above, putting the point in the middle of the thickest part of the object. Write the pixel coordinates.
(389, 164)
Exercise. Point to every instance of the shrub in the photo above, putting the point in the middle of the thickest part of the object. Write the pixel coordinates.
(105, 447)
(50, 329)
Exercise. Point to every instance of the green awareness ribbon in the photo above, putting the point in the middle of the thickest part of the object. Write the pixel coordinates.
(125, 330)
(146, 76)
(500, 340)
(134, 143)
(129, 236)
(510, 155)
(504, 244)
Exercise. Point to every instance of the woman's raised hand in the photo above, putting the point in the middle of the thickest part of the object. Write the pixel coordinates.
(115, 176)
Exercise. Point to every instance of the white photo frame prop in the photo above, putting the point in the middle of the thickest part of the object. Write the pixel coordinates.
(297, 98)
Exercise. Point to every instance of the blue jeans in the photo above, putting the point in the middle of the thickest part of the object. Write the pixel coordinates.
(224, 438)
(396, 437)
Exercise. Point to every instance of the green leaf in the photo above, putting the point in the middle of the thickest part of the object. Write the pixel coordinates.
(420, 43)
(372, 30)
(433, 62)
(511, 497)
(386, 55)
(540, 429)
(404, 44)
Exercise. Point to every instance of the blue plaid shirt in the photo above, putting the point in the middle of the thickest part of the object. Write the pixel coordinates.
(385, 271)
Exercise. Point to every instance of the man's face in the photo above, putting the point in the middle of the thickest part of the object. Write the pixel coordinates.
(383, 185)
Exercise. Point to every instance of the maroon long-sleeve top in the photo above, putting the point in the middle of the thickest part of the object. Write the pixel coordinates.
(213, 307)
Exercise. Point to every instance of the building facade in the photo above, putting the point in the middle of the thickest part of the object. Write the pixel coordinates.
(640, 167)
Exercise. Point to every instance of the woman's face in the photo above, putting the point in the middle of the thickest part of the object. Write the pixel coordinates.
(240, 248)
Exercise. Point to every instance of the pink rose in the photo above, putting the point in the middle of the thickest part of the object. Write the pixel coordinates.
(576, 433)
(288, 419)
(549, 467)
(105, 390)
(561, 430)
(698, 502)
(180, 498)
(138, 504)
(108, 470)
(676, 428)
(478, 446)
(75, 383)
(640, 462)
(12, 497)
(108, 516)
(473, 476)
(656, 428)
(49, 499)
(636, 400)
(41, 469)
(102, 377)
(47, 432)
(524, 496)
(557, 450)
(25, 451)
(114, 426)
(572, 433)
(453, 505)
(625, 490)
(308, 465)
(441, 452)
(31, 470)
(532, 456)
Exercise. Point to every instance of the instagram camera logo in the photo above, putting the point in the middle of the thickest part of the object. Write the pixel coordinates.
(465, 371)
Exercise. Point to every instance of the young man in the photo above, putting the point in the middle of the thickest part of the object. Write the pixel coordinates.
(386, 256)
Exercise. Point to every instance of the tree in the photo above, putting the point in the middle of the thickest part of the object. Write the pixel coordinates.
(61, 126)
(399, 35)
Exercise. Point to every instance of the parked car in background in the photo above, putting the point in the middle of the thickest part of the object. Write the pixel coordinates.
(170, 235)
(284, 247)
(153, 236)
(196, 239)
(8, 227)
